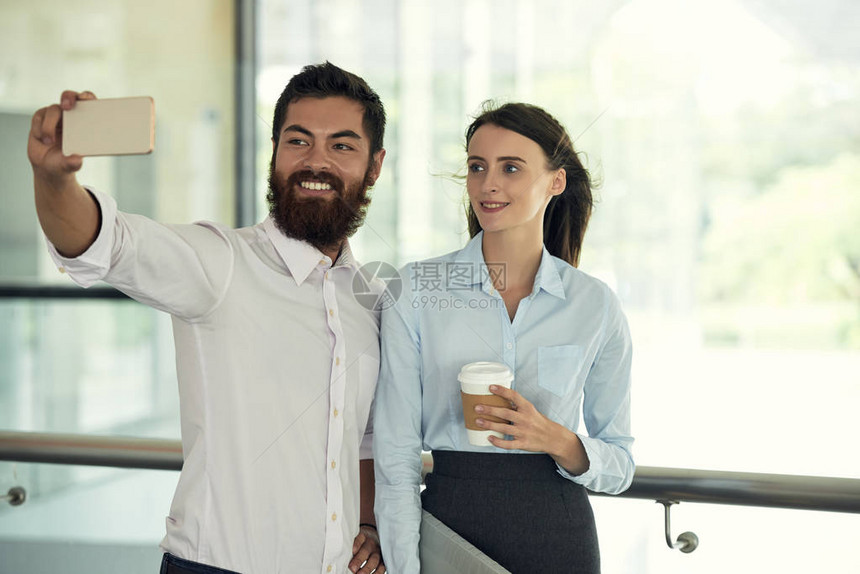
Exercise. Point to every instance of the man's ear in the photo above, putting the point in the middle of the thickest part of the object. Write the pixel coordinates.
(559, 182)
(376, 166)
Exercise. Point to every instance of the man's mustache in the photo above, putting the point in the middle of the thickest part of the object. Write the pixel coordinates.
(334, 181)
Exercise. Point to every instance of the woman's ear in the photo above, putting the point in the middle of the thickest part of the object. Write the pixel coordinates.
(559, 182)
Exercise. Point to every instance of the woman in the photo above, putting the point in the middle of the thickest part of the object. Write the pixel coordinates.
(513, 295)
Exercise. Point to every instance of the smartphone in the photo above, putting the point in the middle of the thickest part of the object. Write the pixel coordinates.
(112, 126)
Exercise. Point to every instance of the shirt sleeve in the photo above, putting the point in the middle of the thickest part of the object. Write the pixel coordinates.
(365, 448)
(181, 269)
(92, 265)
(398, 438)
(606, 409)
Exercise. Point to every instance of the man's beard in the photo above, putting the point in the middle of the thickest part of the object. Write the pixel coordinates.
(324, 222)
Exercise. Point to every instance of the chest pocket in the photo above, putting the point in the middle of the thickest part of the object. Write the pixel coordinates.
(559, 367)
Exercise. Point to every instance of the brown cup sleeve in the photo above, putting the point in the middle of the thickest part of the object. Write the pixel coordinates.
(469, 403)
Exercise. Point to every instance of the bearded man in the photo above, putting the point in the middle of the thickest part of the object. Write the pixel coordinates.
(276, 360)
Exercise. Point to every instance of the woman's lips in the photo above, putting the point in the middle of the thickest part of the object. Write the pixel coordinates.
(493, 206)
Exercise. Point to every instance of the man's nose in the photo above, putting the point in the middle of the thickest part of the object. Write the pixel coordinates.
(317, 159)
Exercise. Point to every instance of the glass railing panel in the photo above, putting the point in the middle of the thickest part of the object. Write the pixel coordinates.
(738, 539)
(80, 520)
(84, 366)
(77, 517)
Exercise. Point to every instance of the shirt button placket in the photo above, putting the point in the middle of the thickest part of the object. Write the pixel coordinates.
(334, 488)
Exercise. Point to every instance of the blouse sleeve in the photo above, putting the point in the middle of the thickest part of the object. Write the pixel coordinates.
(398, 436)
(606, 408)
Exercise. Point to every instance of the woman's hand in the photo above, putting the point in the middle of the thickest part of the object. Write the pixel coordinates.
(531, 431)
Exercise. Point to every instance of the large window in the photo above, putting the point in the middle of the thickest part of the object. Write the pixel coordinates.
(724, 135)
(107, 367)
(102, 366)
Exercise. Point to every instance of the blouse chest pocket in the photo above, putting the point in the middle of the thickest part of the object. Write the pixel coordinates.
(559, 367)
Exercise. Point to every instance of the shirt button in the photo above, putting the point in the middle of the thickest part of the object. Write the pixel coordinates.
(328, 568)
(335, 412)
(333, 516)
(337, 361)
(61, 269)
(510, 346)
(331, 312)
(333, 464)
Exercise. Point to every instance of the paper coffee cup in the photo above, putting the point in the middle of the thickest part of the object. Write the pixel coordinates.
(475, 380)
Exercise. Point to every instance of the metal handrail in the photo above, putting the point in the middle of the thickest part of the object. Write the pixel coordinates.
(88, 450)
(650, 483)
(73, 292)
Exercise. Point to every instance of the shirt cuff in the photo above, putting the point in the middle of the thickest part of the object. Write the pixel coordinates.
(93, 264)
(593, 471)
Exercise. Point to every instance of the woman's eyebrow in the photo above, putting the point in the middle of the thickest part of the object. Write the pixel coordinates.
(500, 158)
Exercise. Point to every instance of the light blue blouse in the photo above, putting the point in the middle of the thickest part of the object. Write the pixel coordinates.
(568, 346)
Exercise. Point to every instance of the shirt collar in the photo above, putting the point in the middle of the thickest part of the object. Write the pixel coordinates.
(301, 257)
(471, 257)
(548, 277)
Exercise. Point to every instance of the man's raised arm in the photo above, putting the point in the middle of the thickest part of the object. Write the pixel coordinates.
(69, 216)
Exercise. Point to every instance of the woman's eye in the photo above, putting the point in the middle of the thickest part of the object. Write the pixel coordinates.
(475, 168)
(510, 168)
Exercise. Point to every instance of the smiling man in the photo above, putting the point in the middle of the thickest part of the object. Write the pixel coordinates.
(276, 360)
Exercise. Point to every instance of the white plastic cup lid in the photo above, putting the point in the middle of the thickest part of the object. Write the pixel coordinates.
(486, 372)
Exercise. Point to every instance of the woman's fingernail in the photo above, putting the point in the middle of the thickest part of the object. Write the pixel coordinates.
(494, 388)
(479, 408)
(479, 422)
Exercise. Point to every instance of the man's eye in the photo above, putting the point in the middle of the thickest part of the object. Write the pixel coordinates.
(342, 146)
(296, 141)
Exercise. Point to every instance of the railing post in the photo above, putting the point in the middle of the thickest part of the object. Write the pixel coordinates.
(687, 541)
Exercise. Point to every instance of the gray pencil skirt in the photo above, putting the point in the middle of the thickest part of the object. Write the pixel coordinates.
(516, 509)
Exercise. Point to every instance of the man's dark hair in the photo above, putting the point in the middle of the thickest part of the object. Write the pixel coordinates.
(326, 80)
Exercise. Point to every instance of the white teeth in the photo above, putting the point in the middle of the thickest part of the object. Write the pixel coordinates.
(493, 205)
(314, 185)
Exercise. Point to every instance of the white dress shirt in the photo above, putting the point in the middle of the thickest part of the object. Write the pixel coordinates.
(277, 365)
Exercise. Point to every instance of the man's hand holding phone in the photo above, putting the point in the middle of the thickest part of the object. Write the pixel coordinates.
(81, 125)
(45, 144)
(60, 136)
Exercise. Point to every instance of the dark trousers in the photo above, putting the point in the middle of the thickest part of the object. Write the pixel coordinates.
(170, 564)
(516, 509)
